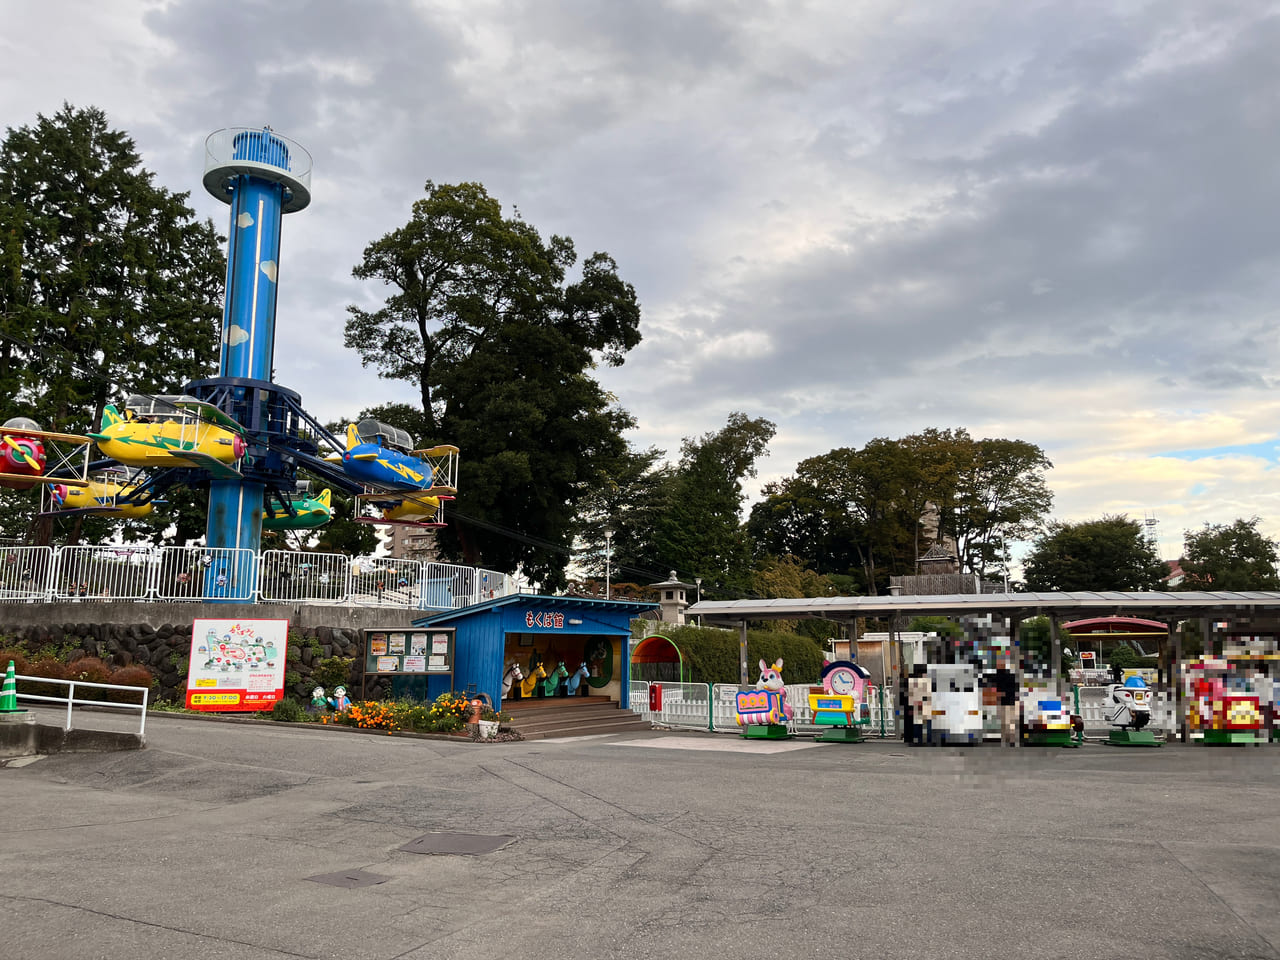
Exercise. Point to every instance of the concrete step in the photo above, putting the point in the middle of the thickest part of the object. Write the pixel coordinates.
(621, 725)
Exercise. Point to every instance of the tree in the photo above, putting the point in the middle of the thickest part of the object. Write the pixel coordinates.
(1107, 554)
(483, 323)
(697, 525)
(858, 512)
(107, 282)
(1235, 557)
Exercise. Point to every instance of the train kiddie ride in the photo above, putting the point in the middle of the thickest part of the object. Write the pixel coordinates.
(763, 713)
(839, 703)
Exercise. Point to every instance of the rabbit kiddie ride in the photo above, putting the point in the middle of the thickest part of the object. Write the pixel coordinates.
(763, 713)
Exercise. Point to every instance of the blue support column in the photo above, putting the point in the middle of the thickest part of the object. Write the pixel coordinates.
(250, 170)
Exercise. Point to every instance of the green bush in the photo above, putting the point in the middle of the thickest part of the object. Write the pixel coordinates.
(288, 711)
(332, 672)
(712, 655)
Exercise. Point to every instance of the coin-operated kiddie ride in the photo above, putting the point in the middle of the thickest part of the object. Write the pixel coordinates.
(1129, 712)
(763, 713)
(839, 704)
(1225, 707)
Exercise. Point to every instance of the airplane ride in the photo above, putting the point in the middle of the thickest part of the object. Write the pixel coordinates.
(98, 497)
(305, 513)
(28, 454)
(408, 511)
(172, 432)
(382, 457)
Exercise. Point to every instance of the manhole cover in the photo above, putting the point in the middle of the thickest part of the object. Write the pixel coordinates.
(349, 878)
(461, 844)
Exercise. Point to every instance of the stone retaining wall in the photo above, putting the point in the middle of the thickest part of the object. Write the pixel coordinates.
(158, 636)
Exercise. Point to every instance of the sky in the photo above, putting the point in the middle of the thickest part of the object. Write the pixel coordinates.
(1055, 222)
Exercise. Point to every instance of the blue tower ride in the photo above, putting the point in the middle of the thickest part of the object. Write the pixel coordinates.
(262, 176)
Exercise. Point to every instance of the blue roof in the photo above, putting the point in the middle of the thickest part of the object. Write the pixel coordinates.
(631, 607)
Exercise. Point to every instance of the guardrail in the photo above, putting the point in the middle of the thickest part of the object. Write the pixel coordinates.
(713, 707)
(82, 573)
(72, 700)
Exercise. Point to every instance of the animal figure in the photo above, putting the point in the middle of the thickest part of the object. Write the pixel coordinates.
(530, 683)
(575, 681)
(510, 678)
(550, 684)
(771, 680)
(767, 703)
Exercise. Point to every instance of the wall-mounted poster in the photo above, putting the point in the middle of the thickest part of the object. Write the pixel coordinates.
(395, 643)
(388, 664)
(378, 644)
(236, 664)
(415, 664)
(440, 643)
(418, 644)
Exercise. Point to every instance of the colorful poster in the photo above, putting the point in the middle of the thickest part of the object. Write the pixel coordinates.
(378, 644)
(418, 644)
(236, 664)
(415, 664)
(388, 664)
(397, 643)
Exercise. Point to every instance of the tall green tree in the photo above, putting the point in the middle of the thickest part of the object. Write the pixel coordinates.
(1238, 556)
(1107, 554)
(108, 282)
(858, 511)
(483, 321)
(696, 509)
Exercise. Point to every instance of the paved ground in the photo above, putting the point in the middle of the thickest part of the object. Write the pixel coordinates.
(637, 846)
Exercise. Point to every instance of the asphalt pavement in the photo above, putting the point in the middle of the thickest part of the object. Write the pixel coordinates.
(645, 845)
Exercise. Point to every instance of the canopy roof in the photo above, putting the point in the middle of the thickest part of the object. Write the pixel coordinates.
(1174, 604)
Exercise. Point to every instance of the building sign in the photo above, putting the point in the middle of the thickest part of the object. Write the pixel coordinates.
(236, 664)
(545, 619)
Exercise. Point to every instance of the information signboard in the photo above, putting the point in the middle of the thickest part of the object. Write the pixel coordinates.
(236, 664)
(410, 652)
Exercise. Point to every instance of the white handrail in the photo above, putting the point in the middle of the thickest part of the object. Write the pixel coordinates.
(71, 699)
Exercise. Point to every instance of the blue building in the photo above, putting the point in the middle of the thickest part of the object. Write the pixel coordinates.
(528, 629)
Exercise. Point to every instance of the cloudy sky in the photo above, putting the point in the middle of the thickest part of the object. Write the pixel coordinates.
(1058, 222)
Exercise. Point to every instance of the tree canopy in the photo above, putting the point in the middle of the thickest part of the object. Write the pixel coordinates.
(858, 511)
(1229, 557)
(1107, 554)
(499, 345)
(108, 282)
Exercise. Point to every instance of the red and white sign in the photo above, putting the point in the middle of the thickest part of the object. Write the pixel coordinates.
(236, 664)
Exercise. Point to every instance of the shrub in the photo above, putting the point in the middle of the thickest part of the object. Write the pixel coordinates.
(332, 672)
(449, 712)
(288, 711)
(17, 656)
(711, 656)
(134, 675)
(51, 668)
(88, 669)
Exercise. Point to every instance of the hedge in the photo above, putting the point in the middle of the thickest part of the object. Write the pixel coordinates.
(712, 655)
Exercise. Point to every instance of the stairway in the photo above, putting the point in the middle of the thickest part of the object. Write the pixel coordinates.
(570, 717)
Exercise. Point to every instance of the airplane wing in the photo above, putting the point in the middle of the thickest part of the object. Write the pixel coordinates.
(44, 435)
(218, 469)
(210, 414)
(44, 478)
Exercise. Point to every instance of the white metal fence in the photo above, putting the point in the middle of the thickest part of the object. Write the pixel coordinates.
(71, 700)
(82, 573)
(703, 706)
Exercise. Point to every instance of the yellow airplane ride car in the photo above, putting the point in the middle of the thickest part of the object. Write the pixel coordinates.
(171, 432)
(98, 497)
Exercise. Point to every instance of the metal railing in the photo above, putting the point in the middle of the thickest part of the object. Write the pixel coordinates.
(71, 700)
(82, 573)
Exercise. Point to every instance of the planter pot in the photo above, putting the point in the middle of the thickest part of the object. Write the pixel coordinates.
(488, 729)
